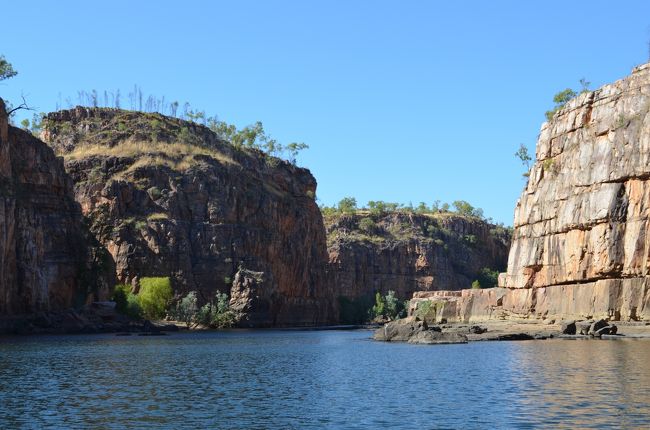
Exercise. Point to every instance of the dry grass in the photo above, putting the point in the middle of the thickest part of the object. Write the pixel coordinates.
(178, 156)
(158, 217)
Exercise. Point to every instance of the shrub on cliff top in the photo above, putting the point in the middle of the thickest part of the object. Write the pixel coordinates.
(154, 296)
(347, 205)
(562, 98)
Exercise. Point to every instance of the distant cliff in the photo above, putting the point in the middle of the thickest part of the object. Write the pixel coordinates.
(169, 198)
(48, 261)
(407, 252)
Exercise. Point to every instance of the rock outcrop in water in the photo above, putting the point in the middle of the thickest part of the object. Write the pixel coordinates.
(406, 252)
(48, 262)
(581, 244)
(169, 198)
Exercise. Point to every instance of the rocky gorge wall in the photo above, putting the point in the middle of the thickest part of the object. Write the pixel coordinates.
(169, 198)
(47, 262)
(581, 243)
(406, 252)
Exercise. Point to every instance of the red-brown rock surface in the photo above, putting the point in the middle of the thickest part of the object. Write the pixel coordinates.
(47, 262)
(406, 252)
(168, 198)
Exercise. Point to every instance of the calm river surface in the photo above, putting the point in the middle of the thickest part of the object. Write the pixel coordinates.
(319, 379)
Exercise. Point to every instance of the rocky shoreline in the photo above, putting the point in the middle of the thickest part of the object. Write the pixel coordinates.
(97, 317)
(415, 331)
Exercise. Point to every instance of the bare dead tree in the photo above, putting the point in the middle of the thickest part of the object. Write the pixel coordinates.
(22, 106)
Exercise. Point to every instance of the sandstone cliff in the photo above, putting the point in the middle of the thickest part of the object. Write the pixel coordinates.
(407, 252)
(47, 263)
(168, 198)
(581, 244)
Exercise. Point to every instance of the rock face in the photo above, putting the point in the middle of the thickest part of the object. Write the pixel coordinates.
(47, 261)
(169, 198)
(407, 252)
(581, 243)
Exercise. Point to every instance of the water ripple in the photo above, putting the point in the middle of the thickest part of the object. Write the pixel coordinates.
(312, 379)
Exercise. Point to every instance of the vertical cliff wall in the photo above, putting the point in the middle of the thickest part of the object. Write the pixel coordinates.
(46, 261)
(169, 198)
(581, 242)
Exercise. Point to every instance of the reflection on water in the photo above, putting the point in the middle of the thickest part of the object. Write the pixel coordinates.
(319, 379)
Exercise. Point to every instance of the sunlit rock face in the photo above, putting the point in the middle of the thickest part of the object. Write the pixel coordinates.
(581, 242)
(581, 224)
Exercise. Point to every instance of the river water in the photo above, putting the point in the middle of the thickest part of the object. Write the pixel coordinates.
(319, 379)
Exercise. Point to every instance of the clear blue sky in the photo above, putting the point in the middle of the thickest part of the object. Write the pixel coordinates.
(399, 101)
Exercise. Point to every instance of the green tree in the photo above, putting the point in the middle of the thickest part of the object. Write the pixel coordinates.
(466, 209)
(347, 205)
(6, 69)
(476, 285)
(126, 302)
(422, 208)
(367, 225)
(488, 278)
(154, 296)
(294, 148)
(186, 309)
(523, 156)
(564, 96)
(560, 99)
(392, 305)
(222, 315)
(378, 310)
(381, 208)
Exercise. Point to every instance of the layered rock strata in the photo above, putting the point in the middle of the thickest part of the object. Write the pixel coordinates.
(48, 262)
(406, 252)
(170, 198)
(581, 244)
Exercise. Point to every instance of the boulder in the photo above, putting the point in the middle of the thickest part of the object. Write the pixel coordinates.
(414, 331)
(400, 330)
(568, 327)
(475, 329)
(582, 327)
(430, 337)
(610, 329)
(596, 326)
